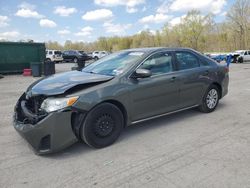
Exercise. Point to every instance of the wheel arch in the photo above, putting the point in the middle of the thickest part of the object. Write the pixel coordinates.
(219, 87)
(121, 108)
(78, 116)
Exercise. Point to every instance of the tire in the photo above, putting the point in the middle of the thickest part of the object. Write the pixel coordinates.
(102, 126)
(210, 99)
(75, 60)
(47, 59)
(96, 58)
(240, 59)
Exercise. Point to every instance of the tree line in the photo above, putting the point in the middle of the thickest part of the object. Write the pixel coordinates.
(195, 30)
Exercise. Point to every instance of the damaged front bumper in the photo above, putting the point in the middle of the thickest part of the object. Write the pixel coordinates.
(45, 133)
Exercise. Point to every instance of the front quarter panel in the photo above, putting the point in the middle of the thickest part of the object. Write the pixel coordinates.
(114, 90)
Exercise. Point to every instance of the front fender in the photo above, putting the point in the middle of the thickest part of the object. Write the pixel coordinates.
(87, 101)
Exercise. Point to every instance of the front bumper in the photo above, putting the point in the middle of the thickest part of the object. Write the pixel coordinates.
(50, 134)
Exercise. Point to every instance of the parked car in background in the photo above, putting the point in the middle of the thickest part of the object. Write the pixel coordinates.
(89, 54)
(218, 57)
(86, 54)
(244, 55)
(81, 51)
(99, 54)
(234, 56)
(95, 104)
(54, 56)
(75, 56)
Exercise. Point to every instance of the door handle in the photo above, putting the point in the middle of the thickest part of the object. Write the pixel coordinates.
(173, 79)
(206, 73)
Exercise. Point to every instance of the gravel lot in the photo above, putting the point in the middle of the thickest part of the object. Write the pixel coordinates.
(188, 149)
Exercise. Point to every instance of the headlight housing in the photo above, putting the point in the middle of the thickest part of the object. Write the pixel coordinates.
(54, 104)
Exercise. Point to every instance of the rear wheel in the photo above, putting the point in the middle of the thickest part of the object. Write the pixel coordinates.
(240, 59)
(102, 125)
(47, 59)
(210, 99)
(75, 60)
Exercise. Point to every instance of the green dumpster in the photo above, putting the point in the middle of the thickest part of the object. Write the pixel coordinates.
(16, 56)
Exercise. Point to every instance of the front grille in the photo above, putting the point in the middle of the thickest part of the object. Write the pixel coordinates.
(28, 109)
(34, 104)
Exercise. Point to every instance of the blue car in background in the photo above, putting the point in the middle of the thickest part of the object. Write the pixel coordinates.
(218, 57)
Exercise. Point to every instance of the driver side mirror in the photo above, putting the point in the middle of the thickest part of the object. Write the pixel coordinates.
(142, 73)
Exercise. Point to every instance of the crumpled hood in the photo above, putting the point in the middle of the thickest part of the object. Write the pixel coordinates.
(60, 83)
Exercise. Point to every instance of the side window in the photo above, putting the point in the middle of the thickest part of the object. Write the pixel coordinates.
(204, 62)
(50, 53)
(159, 63)
(245, 53)
(186, 60)
(248, 52)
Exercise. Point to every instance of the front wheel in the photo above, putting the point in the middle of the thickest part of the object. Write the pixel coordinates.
(210, 100)
(102, 125)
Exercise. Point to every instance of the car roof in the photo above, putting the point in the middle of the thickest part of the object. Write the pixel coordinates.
(155, 49)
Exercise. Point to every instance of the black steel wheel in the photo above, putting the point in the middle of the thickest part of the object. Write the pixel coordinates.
(102, 125)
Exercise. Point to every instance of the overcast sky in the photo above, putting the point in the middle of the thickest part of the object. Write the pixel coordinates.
(86, 20)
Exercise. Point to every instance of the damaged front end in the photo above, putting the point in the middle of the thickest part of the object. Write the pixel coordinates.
(45, 132)
(43, 114)
(28, 109)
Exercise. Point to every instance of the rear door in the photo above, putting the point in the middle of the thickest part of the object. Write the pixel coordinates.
(193, 78)
(159, 93)
(66, 55)
(72, 55)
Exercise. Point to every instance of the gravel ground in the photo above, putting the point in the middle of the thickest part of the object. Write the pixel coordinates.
(188, 149)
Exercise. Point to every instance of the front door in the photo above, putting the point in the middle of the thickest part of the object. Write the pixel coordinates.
(247, 56)
(159, 93)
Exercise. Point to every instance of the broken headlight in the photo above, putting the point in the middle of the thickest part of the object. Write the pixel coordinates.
(54, 104)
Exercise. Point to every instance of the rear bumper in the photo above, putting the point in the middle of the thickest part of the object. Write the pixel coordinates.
(57, 59)
(225, 84)
(49, 135)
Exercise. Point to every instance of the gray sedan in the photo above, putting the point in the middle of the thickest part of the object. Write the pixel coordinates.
(95, 104)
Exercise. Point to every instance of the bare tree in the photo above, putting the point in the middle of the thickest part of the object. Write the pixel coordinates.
(239, 18)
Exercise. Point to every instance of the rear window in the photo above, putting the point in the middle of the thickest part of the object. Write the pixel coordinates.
(58, 52)
(186, 60)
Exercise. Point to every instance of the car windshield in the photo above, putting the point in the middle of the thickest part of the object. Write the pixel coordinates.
(114, 64)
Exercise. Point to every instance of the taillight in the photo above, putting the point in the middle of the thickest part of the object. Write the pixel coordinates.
(226, 69)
